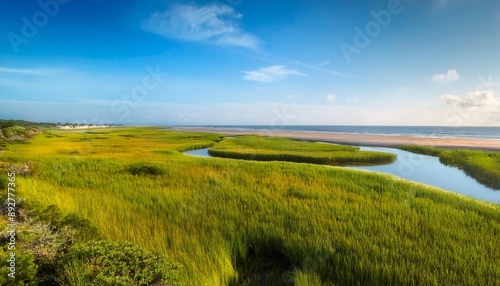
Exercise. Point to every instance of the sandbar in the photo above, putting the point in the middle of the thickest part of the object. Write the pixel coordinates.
(391, 141)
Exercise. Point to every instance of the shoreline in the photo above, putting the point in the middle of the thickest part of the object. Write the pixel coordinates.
(389, 141)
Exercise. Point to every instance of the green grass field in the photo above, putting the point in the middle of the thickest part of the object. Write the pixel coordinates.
(484, 166)
(260, 148)
(233, 222)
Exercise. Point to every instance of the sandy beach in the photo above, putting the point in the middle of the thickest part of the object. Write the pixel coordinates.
(362, 139)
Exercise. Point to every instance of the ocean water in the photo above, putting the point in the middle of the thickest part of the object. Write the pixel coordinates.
(416, 131)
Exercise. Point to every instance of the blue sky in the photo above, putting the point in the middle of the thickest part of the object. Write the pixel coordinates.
(273, 62)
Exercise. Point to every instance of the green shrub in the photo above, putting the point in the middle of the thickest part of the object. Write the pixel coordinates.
(108, 263)
(43, 235)
(145, 169)
(25, 268)
(81, 229)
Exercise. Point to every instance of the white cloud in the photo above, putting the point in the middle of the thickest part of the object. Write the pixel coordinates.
(212, 23)
(480, 98)
(451, 75)
(270, 74)
(330, 97)
(477, 107)
(451, 99)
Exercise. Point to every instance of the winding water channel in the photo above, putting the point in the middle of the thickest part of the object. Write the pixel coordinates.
(423, 169)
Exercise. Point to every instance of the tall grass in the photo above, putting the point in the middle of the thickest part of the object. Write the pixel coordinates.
(484, 166)
(218, 218)
(260, 148)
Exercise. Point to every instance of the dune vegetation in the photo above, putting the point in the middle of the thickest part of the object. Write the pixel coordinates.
(259, 148)
(484, 166)
(220, 221)
(19, 130)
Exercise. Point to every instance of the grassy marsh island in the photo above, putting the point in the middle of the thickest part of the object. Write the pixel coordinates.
(237, 222)
(262, 148)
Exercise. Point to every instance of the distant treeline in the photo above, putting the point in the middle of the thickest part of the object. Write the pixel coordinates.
(4, 123)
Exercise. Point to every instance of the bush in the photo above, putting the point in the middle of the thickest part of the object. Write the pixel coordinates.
(108, 263)
(25, 269)
(145, 169)
(43, 235)
(81, 229)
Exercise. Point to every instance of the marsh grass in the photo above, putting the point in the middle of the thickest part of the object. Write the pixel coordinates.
(484, 166)
(260, 148)
(224, 220)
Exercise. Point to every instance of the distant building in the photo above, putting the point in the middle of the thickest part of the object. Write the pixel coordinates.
(77, 126)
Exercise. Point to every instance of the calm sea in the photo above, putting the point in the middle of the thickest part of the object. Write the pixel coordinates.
(418, 131)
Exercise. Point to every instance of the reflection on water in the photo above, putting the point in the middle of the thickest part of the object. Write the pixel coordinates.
(422, 169)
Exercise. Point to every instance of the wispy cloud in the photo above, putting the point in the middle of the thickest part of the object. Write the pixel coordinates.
(270, 74)
(480, 98)
(330, 97)
(9, 82)
(324, 63)
(477, 107)
(451, 75)
(213, 23)
(320, 67)
(30, 71)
